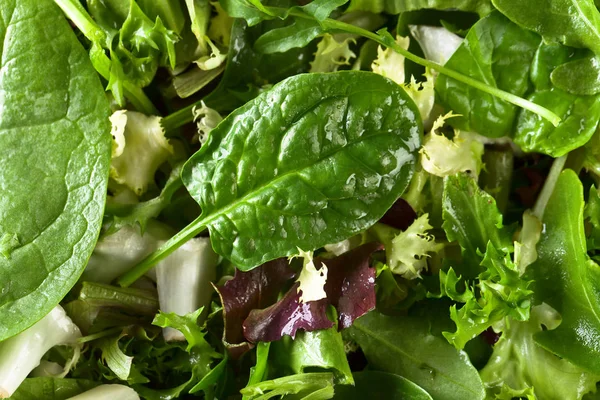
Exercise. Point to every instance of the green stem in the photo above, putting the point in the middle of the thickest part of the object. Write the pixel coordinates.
(331, 24)
(80, 17)
(180, 117)
(99, 335)
(548, 189)
(165, 250)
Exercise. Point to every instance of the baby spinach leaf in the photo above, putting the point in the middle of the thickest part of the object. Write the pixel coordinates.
(54, 136)
(482, 7)
(580, 114)
(566, 279)
(581, 77)
(498, 53)
(405, 346)
(571, 22)
(326, 153)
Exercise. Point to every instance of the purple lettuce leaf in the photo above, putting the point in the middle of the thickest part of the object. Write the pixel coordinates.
(254, 289)
(285, 317)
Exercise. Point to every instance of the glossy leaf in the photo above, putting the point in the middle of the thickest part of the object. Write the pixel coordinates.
(571, 22)
(52, 388)
(498, 53)
(300, 33)
(567, 279)
(580, 77)
(54, 136)
(261, 200)
(255, 289)
(380, 385)
(482, 7)
(472, 218)
(405, 346)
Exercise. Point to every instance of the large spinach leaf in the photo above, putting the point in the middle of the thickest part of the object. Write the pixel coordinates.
(380, 385)
(571, 22)
(55, 150)
(499, 54)
(482, 7)
(566, 279)
(314, 160)
(405, 346)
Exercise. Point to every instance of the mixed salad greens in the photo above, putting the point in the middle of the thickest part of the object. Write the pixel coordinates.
(394, 199)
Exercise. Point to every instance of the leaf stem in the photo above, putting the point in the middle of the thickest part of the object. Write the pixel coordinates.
(331, 24)
(548, 188)
(187, 233)
(80, 17)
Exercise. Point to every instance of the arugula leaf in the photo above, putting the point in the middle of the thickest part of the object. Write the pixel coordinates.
(571, 22)
(52, 388)
(490, 55)
(350, 118)
(56, 149)
(405, 346)
(518, 364)
(380, 385)
(567, 279)
(472, 218)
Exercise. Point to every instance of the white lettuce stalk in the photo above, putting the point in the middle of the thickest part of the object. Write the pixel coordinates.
(184, 281)
(108, 392)
(20, 354)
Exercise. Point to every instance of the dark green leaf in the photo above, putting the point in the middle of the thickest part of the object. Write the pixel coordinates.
(380, 385)
(571, 22)
(299, 34)
(580, 77)
(300, 159)
(472, 218)
(566, 279)
(498, 53)
(320, 9)
(54, 136)
(482, 7)
(404, 346)
(52, 388)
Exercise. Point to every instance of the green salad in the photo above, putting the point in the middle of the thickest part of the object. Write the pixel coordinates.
(299, 200)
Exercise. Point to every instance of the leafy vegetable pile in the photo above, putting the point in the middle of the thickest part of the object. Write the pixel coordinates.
(299, 199)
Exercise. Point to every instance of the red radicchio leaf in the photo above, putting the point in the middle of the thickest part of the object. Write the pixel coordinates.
(254, 289)
(400, 215)
(285, 317)
(350, 287)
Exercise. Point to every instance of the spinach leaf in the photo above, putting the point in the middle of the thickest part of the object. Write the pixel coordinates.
(54, 136)
(566, 279)
(405, 346)
(581, 76)
(380, 385)
(52, 388)
(571, 22)
(580, 114)
(318, 153)
(498, 53)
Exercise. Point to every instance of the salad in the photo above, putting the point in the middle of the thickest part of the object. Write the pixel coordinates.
(246, 199)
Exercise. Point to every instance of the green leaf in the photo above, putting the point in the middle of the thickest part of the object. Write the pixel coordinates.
(320, 9)
(566, 279)
(472, 218)
(380, 385)
(482, 7)
(499, 54)
(54, 136)
(298, 34)
(315, 383)
(293, 190)
(570, 22)
(52, 388)
(519, 364)
(118, 362)
(579, 77)
(188, 325)
(405, 346)
(323, 349)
